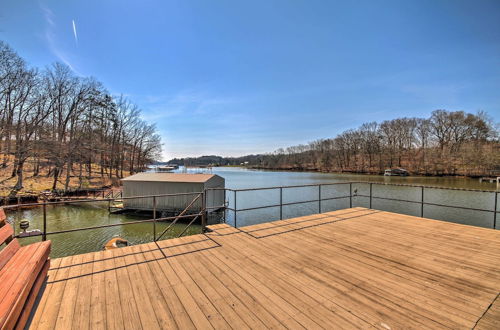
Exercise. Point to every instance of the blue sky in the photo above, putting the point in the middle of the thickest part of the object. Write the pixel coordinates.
(239, 77)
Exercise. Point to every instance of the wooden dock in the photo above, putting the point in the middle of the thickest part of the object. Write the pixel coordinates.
(354, 268)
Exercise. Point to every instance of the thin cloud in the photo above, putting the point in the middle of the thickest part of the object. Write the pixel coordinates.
(50, 38)
(185, 102)
(74, 31)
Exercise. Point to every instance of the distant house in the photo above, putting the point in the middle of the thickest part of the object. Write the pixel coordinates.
(150, 183)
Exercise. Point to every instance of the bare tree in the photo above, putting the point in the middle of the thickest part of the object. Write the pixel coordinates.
(66, 123)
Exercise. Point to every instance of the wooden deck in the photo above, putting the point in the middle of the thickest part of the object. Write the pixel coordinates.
(354, 268)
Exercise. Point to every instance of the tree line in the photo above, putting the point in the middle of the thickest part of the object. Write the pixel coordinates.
(62, 125)
(446, 143)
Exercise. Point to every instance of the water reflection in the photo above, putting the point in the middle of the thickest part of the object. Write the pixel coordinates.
(380, 194)
(65, 217)
(94, 214)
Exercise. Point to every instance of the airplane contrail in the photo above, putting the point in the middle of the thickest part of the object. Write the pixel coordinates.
(74, 31)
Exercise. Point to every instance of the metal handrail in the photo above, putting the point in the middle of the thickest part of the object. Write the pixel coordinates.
(44, 233)
(179, 216)
(422, 201)
(352, 182)
(77, 201)
(116, 224)
(422, 186)
(205, 208)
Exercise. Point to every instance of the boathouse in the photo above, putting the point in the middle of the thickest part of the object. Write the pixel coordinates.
(150, 183)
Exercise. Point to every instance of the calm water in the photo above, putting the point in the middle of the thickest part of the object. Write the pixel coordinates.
(237, 178)
(93, 214)
(64, 217)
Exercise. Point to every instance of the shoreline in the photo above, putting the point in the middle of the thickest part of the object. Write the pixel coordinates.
(355, 173)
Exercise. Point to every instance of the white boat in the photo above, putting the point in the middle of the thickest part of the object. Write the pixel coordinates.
(396, 172)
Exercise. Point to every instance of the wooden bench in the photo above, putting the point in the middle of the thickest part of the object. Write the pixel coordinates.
(23, 271)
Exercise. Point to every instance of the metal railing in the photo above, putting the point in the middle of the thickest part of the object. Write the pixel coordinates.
(97, 193)
(204, 209)
(201, 214)
(353, 194)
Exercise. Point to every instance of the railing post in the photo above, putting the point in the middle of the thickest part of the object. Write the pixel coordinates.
(281, 203)
(235, 210)
(204, 211)
(44, 234)
(225, 207)
(496, 208)
(422, 204)
(350, 194)
(319, 198)
(371, 189)
(154, 218)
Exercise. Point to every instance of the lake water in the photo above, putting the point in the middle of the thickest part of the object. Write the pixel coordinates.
(238, 178)
(93, 214)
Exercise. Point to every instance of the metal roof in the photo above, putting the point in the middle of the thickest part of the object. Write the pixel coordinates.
(169, 177)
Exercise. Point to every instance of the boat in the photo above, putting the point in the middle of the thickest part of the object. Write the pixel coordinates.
(166, 168)
(396, 172)
(115, 242)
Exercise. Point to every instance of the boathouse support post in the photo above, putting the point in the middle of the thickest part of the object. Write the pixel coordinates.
(44, 234)
(154, 218)
(281, 203)
(319, 198)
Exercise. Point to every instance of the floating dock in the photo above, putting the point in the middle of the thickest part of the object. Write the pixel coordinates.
(490, 179)
(353, 268)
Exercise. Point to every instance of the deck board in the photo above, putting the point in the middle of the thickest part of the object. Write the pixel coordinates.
(81, 316)
(353, 268)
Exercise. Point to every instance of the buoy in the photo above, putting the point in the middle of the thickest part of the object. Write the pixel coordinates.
(24, 224)
(115, 242)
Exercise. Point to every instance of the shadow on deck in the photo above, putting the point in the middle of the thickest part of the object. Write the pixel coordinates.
(354, 268)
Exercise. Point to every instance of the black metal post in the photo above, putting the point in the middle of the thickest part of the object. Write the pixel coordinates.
(350, 194)
(225, 220)
(496, 208)
(422, 204)
(235, 210)
(371, 189)
(204, 211)
(44, 234)
(281, 203)
(154, 218)
(319, 198)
